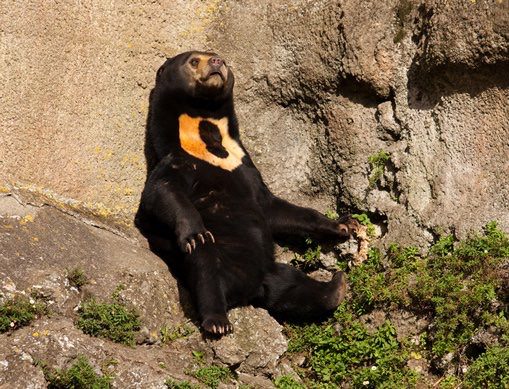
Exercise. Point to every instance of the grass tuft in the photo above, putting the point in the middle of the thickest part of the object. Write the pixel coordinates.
(213, 375)
(19, 311)
(77, 278)
(80, 375)
(113, 321)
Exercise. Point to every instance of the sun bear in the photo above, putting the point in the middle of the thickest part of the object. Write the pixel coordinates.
(206, 207)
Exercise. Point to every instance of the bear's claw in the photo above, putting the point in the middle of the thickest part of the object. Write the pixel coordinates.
(190, 242)
(217, 325)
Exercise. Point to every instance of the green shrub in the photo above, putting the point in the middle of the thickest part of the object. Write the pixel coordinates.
(19, 311)
(310, 260)
(348, 352)
(365, 221)
(112, 321)
(460, 288)
(211, 376)
(173, 384)
(490, 370)
(80, 375)
(77, 277)
(287, 382)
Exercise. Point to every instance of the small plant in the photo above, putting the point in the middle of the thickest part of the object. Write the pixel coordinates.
(403, 10)
(113, 321)
(171, 333)
(173, 384)
(377, 164)
(77, 278)
(80, 375)
(198, 355)
(310, 260)
(19, 311)
(211, 376)
(287, 382)
(365, 221)
(331, 214)
(490, 370)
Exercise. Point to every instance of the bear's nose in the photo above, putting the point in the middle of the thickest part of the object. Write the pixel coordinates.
(216, 62)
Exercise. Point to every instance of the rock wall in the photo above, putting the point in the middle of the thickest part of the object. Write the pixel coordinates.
(321, 87)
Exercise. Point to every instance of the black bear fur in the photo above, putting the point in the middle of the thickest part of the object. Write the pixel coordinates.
(205, 204)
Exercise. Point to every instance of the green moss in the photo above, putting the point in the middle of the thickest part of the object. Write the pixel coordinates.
(80, 375)
(211, 376)
(198, 356)
(19, 311)
(171, 333)
(331, 214)
(287, 382)
(77, 277)
(112, 321)
(377, 163)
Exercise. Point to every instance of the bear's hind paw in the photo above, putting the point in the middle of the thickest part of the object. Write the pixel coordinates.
(217, 325)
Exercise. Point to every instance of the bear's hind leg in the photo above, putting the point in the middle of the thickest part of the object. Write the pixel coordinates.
(202, 268)
(290, 293)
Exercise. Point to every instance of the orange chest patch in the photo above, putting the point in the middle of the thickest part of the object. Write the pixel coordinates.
(208, 139)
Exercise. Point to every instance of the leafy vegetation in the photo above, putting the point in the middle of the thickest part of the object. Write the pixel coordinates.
(211, 376)
(113, 320)
(310, 260)
(365, 221)
(171, 333)
(349, 352)
(19, 311)
(459, 288)
(77, 278)
(287, 382)
(490, 370)
(173, 384)
(80, 375)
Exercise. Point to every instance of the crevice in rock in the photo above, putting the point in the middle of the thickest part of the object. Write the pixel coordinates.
(427, 86)
(358, 91)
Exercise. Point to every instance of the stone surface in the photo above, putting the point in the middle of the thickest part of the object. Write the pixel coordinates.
(321, 86)
(41, 244)
(254, 348)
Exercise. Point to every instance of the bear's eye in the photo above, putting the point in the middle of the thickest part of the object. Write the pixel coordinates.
(194, 62)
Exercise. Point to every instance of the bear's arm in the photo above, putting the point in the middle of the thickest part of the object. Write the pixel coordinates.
(288, 219)
(166, 198)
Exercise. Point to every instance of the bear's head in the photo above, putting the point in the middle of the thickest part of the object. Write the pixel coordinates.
(196, 74)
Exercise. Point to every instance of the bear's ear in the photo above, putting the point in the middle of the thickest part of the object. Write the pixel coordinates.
(159, 72)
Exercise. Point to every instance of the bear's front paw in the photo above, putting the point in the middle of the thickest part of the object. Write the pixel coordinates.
(217, 324)
(189, 234)
(189, 243)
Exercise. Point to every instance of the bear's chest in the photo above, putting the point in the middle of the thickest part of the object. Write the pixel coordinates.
(209, 140)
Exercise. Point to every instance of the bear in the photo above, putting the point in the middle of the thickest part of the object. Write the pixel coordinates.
(206, 207)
